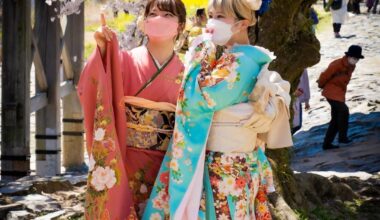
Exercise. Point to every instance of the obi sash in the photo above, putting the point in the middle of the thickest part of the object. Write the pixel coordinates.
(149, 124)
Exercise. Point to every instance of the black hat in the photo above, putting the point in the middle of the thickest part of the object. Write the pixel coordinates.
(355, 51)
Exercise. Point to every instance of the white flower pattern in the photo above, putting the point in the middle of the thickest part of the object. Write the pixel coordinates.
(99, 134)
(103, 177)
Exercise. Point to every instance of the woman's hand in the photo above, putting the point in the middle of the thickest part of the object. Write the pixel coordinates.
(307, 106)
(298, 92)
(102, 35)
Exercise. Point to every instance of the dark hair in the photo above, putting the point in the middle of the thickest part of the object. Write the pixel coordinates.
(200, 12)
(173, 6)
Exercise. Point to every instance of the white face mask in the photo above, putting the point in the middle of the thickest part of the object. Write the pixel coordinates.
(222, 32)
(352, 60)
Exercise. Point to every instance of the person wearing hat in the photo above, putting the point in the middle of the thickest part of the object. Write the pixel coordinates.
(334, 81)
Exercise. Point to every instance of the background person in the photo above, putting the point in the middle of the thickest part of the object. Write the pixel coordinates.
(334, 81)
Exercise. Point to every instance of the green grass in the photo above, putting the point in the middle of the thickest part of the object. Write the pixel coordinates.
(347, 210)
(118, 24)
(88, 49)
(301, 214)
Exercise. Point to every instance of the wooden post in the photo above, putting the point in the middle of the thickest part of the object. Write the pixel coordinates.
(73, 149)
(15, 153)
(48, 147)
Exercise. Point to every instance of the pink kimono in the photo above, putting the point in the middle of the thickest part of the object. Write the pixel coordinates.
(121, 177)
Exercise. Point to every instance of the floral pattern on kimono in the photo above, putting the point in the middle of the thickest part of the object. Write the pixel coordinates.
(176, 192)
(234, 187)
(100, 92)
(104, 173)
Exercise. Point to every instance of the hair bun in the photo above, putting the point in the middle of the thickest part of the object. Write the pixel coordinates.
(254, 4)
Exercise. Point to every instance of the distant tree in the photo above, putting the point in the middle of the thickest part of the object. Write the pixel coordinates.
(128, 39)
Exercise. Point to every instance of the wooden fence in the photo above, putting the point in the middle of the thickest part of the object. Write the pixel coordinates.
(52, 49)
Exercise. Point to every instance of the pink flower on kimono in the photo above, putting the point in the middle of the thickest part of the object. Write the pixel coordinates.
(143, 189)
(109, 144)
(177, 152)
(224, 217)
(161, 201)
(99, 134)
(164, 196)
(157, 203)
(103, 177)
(236, 191)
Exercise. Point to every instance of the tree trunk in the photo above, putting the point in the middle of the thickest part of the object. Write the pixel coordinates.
(286, 30)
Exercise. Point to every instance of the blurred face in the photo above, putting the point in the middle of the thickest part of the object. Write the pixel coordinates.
(218, 14)
(201, 19)
(161, 26)
(352, 60)
(227, 29)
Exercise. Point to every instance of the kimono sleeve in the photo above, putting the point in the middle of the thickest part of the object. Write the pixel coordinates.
(279, 135)
(87, 91)
(102, 72)
(270, 100)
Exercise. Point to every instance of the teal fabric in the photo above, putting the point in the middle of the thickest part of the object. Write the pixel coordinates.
(209, 199)
(195, 110)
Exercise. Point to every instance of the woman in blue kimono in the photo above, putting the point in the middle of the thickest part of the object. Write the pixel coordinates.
(215, 167)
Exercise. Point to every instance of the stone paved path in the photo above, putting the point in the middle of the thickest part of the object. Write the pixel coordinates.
(363, 99)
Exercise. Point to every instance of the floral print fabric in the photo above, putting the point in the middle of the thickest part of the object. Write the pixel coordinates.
(149, 128)
(104, 121)
(104, 166)
(233, 187)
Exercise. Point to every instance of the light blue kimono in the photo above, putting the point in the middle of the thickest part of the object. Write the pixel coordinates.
(178, 186)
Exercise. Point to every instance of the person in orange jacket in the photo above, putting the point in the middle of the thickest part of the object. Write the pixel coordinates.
(334, 81)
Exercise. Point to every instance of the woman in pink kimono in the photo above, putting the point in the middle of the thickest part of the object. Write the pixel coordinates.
(128, 98)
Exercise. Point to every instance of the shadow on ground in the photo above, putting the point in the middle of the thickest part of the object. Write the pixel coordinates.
(363, 154)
